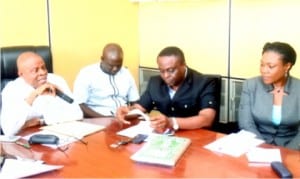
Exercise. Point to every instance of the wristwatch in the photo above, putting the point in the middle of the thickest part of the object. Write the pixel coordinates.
(175, 124)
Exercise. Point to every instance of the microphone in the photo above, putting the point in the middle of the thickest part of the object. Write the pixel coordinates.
(63, 96)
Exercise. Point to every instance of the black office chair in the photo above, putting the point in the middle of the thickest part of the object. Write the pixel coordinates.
(218, 126)
(9, 55)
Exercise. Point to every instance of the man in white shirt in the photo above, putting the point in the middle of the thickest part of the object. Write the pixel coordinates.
(31, 99)
(102, 87)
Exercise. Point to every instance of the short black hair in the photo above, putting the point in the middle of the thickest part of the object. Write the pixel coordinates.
(172, 50)
(287, 51)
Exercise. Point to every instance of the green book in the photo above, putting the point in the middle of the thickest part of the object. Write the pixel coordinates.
(162, 150)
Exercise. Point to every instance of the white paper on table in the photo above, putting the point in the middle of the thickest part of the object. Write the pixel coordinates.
(143, 127)
(63, 139)
(246, 134)
(76, 129)
(5, 138)
(234, 144)
(140, 113)
(262, 156)
(13, 168)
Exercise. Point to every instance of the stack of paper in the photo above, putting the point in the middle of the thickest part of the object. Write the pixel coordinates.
(68, 132)
(13, 168)
(143, 127)
(76, 129)
(261, 156)
(162, 149)
(235, 144)
(139, 113)
(5, 138)
(63, 139)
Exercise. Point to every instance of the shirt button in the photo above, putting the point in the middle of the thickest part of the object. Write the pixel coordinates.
(185, 106)
(172, 108)
(210, 102)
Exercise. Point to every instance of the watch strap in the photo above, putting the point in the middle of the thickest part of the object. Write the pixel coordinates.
(175, 124)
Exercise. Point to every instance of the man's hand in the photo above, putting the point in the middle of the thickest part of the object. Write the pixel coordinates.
(121, 113)
(160, 123)
(31, 123)
(45, 89)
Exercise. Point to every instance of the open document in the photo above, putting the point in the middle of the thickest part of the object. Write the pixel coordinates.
(14, 168)
(68, 132)
(63, 139)
(139, 113)
(235, 144)
(261, 157)
(76, 129)
(143, 127)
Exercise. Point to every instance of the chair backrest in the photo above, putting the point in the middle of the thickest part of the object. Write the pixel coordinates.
(218, 81)
(8, 57)
(10, 54)
(218, 126)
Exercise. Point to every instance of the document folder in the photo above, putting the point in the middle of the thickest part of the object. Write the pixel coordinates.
(162, 150)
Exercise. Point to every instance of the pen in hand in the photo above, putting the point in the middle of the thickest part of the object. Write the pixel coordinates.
(25, 145)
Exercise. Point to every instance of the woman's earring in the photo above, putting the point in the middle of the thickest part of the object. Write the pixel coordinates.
(286, 74)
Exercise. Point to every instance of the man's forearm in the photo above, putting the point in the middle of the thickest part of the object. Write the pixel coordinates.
(88, 112)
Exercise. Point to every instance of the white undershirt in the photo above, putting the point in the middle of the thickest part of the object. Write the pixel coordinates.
(171, 91)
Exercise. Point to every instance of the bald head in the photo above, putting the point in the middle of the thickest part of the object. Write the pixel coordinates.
(26, 60)
(31, 67)
(112, 58)
(112, 47)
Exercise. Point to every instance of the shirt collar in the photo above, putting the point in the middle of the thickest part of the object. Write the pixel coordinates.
(287, 86)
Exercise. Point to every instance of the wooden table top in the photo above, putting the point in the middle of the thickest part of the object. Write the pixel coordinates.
(98, 159)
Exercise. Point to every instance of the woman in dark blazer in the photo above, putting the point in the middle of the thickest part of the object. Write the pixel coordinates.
(270, 103)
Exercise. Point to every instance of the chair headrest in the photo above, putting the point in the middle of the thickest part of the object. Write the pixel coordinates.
(9, 57)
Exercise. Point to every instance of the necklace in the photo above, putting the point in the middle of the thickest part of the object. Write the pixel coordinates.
(278, 89)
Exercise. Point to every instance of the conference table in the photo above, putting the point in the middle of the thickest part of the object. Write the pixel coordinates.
(97, 159)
